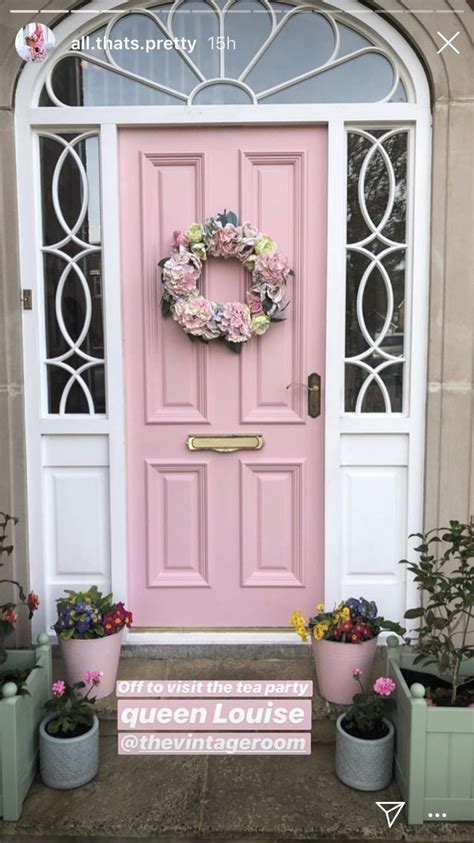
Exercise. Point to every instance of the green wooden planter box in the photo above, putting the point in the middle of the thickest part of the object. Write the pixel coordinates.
(434, 749)
(19, 719)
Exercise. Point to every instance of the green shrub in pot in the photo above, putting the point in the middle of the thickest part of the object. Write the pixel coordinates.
(446, 580)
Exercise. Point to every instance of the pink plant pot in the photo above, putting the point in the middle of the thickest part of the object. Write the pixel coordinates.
(335, 661)
(82, 654)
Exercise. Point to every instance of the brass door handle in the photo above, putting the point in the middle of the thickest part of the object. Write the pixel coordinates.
(314, 393)
(313, 388)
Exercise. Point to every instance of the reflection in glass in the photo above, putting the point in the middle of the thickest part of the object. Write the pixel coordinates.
(72, 274)
(284, 53)
(375, 273)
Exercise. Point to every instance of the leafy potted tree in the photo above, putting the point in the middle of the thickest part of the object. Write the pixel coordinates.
(434, 717)
(340, 637)
(89, 629)
(364, 737)
(25, 678)
(69, 734)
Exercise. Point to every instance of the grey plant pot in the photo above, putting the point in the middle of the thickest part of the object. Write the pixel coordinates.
(68, 762)
(364, 765)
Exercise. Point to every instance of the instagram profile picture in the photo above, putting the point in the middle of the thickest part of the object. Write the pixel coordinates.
(34, 42)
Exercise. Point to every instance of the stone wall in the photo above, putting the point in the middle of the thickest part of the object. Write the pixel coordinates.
(450, 442)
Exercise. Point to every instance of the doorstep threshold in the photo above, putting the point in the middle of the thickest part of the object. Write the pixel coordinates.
(265, 644)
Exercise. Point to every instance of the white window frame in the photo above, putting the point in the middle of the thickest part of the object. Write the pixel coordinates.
(409, 426)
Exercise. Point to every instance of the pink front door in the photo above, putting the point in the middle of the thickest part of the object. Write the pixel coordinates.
(236, 539)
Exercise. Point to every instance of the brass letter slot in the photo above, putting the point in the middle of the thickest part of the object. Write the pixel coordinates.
(225, 443)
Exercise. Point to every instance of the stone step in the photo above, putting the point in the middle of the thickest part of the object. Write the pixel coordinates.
(290, 649)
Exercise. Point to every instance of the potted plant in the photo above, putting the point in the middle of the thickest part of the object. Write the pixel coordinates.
(69, 734)
(434, 717)
(89, 629)
(333, 637)
(25, 677)
(364, 737)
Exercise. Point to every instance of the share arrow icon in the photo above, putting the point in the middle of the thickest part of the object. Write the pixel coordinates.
(391, 810)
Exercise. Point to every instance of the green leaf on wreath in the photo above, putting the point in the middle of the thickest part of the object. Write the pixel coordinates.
(162, 262)
(165, 307)
(267, 305)
(236, 347)
(232, 218)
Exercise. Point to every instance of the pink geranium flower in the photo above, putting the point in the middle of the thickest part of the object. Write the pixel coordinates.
(58, 688)
(384, 686)
(32, 601)
(10, 616)
(93, 676)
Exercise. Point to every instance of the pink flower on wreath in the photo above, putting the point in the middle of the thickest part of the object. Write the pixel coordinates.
(226, 241)
(93, 676)
(195, 315)
(235, 322)
(58, 688)
(272, 267)
(254, 301)
(247, 241)
(181, 272)
(179, 239)
(384, 686)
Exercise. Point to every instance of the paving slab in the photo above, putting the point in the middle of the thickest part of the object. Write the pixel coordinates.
(194, 797)
(301, 798)
(132, 796)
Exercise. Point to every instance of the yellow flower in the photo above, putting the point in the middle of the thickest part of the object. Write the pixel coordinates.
(259, 325)
(264, 244)
(298, 623)
(320, 607)
(346, 613)
(194, 232)
(301, 631)
(297, 617)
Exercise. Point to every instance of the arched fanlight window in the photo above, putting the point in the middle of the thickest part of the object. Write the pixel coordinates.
(214, 52)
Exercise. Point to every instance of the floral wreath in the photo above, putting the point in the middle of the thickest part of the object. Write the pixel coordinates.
(232, 322)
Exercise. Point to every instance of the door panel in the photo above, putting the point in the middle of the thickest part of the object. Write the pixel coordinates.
(216, 539)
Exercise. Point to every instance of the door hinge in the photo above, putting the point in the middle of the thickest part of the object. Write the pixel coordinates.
(27, 299)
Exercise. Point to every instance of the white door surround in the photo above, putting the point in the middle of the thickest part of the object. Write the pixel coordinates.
(374, 461)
